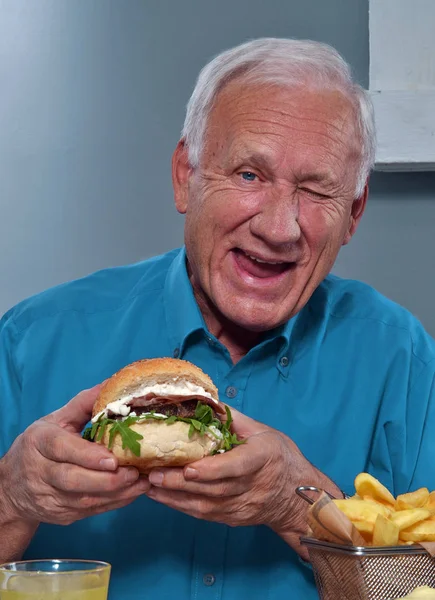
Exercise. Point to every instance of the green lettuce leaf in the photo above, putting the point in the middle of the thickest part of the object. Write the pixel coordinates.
(199, 424)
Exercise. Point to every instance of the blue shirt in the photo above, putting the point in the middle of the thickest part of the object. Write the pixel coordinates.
(349, 379)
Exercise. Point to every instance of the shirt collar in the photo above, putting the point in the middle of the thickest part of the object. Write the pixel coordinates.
(183, 316)
(281, 334)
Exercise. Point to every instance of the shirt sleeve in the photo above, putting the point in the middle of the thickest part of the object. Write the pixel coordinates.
(10, 386)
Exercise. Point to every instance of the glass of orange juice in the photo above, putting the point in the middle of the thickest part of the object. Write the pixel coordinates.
(54, 580)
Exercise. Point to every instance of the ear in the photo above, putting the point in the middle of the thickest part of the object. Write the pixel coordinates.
(358, 207)
(181, 171)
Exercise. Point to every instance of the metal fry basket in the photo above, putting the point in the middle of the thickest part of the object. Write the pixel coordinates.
(366, 573)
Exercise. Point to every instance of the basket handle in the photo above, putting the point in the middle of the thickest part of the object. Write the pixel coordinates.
(300, 491)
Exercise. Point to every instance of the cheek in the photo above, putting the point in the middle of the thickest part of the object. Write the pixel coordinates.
(198, 234)
(220, 212)
(322, 226)
(315, 226)
(202, 232)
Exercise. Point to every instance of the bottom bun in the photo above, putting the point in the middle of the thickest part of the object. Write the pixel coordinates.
(162, 445)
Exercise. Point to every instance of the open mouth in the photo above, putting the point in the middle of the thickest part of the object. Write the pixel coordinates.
(260, 267)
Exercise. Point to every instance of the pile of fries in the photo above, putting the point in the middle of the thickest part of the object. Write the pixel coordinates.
(383, 520)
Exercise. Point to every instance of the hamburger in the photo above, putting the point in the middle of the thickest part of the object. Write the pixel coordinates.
(160, 412)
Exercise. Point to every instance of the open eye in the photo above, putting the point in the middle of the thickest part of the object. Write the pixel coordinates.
(248, 175)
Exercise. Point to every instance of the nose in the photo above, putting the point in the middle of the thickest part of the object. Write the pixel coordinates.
(277, 220)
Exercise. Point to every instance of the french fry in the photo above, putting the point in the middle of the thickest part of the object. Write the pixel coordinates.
(430, 504)
(365, 527)
(386, 509)
(382, 520)
(416, 499)
(360, 510)
(420, 593)
(403, 505)
(367, 485)
(407, 518)
(385, 532)
(420, 532)
(400, 543)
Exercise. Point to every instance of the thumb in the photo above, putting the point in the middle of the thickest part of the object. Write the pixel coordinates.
(74, 415)
(244, 426)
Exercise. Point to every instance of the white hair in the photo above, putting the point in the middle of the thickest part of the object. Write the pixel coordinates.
(283, 62)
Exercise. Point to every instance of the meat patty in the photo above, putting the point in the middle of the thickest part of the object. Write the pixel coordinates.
(151, 400)
(185, 409)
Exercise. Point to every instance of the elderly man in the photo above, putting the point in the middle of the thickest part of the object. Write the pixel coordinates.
(328, 378)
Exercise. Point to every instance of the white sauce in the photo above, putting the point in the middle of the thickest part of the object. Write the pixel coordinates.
(214, 435)
(178, 388)
(157, 415)
(216, 432)
(144, 415)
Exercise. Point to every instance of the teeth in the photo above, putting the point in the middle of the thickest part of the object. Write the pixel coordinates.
(266, 262)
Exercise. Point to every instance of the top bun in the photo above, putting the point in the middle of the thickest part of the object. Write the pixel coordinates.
(150, 372)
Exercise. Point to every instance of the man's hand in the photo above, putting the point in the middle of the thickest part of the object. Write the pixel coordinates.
(253, 484)
(52, 475)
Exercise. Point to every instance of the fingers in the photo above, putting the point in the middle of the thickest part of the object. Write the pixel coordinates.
(56, 444)
(196, 506)
(71, 507)
(174, 479)
(110, 500)
(70, 478)
(240, 461)
(115, 505)
(244, 426)
(74, 415)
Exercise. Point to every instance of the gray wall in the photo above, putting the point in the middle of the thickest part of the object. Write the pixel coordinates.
(394, 248)
(92, 101)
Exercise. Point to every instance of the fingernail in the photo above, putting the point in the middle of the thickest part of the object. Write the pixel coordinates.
(131, 475)
(190, 473)
(156, 478)
(108, 463)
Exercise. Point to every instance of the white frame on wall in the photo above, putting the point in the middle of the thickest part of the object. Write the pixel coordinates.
(402, 83)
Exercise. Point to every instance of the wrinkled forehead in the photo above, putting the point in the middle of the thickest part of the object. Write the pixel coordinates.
(263, 118)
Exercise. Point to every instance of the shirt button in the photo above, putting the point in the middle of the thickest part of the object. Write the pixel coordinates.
(283, 361)
(209, 579)
(176, 353)
(231, 391)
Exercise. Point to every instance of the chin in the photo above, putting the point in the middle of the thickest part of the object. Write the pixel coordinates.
(258, 318)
